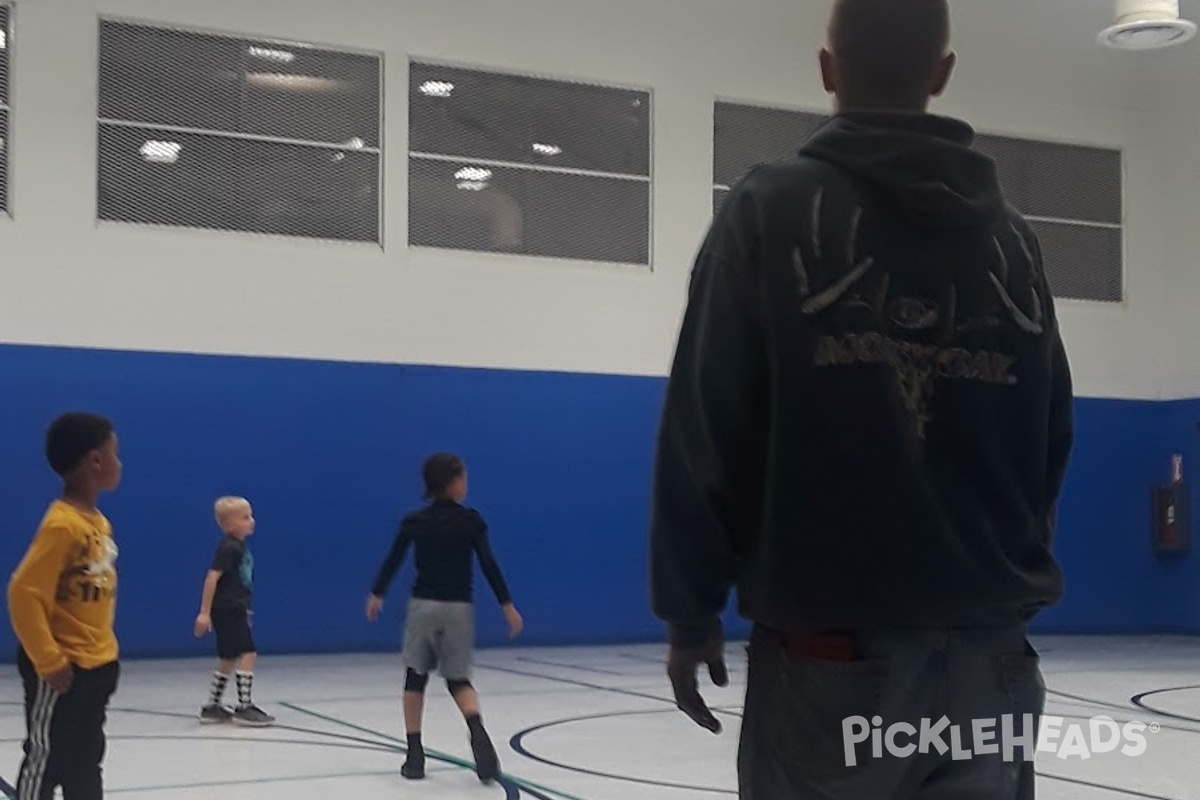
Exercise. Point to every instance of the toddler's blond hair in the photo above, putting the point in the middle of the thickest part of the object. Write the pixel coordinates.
(226, 504)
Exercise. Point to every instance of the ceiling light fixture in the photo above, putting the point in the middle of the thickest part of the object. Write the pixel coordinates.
(161, 152)
(270, 54)
(1147, 25)
(437, 88)
(546, 149)
(474, 174)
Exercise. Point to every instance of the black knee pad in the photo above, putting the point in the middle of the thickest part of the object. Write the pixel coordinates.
(414, 682)
(457, 686)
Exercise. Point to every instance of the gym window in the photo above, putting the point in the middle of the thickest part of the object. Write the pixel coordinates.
(505, 163)
(5, 102)
(198, 130)
(1071, 195)
(745, 136)
(1072, 198)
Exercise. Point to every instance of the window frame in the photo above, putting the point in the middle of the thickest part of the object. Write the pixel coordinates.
(249, 38)
(1121, 227)
(6, 106)
(417, 59)
(1020, 139)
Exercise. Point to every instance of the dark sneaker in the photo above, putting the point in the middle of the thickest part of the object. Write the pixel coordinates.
(487, 763)
(414, 766)
(214, 714)
(252, 717)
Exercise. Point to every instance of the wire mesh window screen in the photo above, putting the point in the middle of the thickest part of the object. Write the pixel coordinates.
(515, 164)
(1073, 198)
(745, 136)
(5, 111)
(1072, 195)
(205, 131)
(1082, 262)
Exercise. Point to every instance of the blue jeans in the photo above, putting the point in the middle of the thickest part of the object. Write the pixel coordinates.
(823, 728)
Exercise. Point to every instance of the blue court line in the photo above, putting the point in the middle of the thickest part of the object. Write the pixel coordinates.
(249, 782)
(522, 783)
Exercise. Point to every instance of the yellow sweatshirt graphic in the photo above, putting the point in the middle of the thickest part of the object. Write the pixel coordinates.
(62, 597)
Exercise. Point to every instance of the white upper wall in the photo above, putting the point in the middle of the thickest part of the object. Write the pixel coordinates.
(1028, 68)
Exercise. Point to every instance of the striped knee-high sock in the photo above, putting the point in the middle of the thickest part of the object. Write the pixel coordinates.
(245, 683)
(219, 681)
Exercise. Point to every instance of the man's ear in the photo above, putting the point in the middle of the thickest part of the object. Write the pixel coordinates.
(941, 78)
(829, 71)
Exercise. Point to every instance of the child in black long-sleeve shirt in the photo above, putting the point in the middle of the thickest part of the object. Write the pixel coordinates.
(440, 626)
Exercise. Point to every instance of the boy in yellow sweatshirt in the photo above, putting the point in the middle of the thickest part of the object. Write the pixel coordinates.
(61, 601)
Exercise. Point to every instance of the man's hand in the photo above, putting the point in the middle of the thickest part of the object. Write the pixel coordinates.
(684, 661)
(202, 625)
(62, 680)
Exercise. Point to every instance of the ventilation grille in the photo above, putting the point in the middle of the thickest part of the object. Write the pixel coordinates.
(1071, 195)
(205, 131)
(515, 164)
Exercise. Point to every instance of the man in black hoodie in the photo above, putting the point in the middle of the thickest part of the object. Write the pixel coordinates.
(865, 432)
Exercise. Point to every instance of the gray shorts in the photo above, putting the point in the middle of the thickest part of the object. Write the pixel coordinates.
(439, 635)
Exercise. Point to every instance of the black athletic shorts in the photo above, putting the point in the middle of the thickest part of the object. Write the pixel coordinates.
(232, 628)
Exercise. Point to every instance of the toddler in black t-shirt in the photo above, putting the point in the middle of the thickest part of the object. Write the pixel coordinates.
(225, 609)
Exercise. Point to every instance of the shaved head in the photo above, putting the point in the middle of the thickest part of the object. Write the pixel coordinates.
(887, 54)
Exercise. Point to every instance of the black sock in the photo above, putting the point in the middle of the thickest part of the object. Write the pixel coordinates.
(414, 761)
(487, 764)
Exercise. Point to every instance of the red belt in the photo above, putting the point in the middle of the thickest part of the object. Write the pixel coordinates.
(825, 646)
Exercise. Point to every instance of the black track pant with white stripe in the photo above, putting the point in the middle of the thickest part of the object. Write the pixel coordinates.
(64, 743)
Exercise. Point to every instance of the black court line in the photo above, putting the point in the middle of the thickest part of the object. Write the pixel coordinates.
(517, 743)
(1091, 700)
(375, 746)
(662, 662)
(513, 787)
(246, 782)
(361, 743)
(1107, 788)
(1139, 701)
(597, 670)
(598, 687)
(1134, 701)
(512, 790)
(277, 726)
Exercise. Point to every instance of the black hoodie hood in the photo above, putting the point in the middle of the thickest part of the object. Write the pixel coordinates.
(922, 162)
